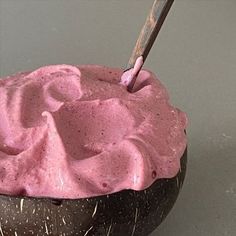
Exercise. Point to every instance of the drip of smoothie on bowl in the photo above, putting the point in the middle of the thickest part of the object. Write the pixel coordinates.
(75, 136)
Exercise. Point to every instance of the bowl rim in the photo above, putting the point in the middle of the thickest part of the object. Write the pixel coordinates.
(59, 200)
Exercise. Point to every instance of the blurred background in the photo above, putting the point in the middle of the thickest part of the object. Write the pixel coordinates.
(194, 57)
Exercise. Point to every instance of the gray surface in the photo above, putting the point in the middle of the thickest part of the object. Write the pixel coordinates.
(195, 57)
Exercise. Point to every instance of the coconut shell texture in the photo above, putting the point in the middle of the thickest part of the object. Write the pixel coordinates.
(128, 212)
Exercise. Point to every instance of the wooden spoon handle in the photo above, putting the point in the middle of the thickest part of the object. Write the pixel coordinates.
(150, 30)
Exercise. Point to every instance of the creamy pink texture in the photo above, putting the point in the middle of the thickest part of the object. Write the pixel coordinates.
(128, 78)
(75, 132)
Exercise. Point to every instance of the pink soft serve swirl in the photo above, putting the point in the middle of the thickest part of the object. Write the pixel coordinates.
(75, 132)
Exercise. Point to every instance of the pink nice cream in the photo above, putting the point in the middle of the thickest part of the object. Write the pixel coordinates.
(76, 132)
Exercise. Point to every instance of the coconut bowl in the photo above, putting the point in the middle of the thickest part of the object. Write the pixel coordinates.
(128, 212)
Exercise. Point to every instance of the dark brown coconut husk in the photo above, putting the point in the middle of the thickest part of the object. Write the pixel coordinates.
(128, 212)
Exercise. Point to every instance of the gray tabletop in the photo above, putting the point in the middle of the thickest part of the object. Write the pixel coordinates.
(194, 56)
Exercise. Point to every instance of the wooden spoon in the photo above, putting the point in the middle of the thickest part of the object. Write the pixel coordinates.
(145, 41)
